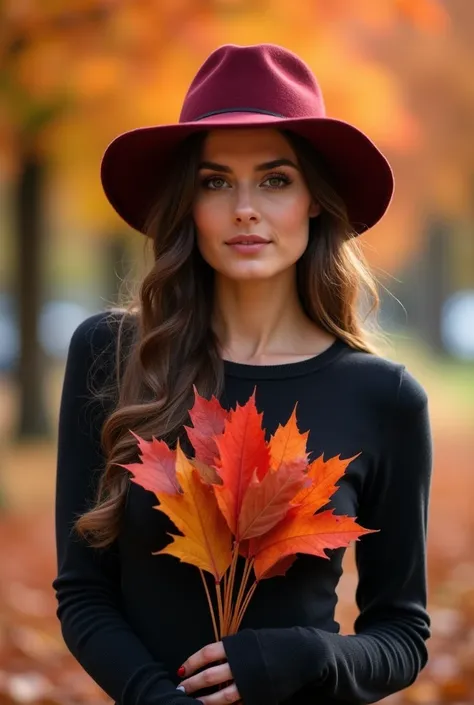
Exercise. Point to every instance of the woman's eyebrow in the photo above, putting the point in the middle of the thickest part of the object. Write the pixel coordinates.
(260, 167)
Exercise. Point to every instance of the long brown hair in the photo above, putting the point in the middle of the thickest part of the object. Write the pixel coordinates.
(174, 346)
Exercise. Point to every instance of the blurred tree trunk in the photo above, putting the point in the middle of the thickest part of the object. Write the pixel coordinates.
(32, 419)
(436, 271)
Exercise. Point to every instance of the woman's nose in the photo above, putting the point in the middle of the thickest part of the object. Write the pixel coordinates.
(245, 210)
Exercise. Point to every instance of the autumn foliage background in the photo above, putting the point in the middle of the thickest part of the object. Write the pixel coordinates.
(72, 76)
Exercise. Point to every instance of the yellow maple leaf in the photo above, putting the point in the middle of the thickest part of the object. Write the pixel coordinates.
(207, 540)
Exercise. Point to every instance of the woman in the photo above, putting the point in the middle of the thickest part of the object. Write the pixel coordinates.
(253, 203)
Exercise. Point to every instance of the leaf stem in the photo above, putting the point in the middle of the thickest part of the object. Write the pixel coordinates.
(211, 608)
(245, 605)
(245, 577)
(220, 607)
(229, 590)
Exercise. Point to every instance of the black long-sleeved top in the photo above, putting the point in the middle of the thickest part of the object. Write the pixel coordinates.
(131, 618)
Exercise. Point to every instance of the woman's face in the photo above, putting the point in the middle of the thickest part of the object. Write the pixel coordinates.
(250, 184)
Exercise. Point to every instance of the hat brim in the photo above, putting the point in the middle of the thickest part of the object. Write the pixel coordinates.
(133, 167)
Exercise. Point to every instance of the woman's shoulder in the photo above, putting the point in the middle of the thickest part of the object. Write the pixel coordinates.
(94, 351)
(92, 361)
(389, 380)
(99, 332)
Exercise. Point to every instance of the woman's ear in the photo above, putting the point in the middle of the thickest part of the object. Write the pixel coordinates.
(314, 209)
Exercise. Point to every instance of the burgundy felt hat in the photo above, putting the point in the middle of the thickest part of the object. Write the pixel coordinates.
(250, 86)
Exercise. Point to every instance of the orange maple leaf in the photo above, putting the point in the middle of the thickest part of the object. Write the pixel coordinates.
(208, 418)
(323, 475)
(206, 542)
(157, 470)
(303, 533)
(287, 443)
(265, 503)
(243, 452)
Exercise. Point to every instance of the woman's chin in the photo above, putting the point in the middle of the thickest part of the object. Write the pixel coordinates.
(250, 272)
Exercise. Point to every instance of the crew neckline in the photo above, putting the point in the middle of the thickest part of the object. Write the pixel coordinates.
(287, 369)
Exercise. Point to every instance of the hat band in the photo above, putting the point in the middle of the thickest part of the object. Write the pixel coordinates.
(237, 110)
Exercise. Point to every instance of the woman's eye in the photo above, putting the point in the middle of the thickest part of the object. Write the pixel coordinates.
(215, 182)
(276, 181)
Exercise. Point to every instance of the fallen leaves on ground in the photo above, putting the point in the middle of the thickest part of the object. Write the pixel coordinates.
(35, 665)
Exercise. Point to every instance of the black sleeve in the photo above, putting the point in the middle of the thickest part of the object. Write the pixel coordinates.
(388, 649)
(88, 580)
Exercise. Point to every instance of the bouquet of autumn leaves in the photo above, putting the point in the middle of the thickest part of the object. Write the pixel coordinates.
(243, 496)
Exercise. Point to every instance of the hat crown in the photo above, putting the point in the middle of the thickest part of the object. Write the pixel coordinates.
(260, 78)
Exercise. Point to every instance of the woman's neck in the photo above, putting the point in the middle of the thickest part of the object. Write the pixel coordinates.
(262, 320)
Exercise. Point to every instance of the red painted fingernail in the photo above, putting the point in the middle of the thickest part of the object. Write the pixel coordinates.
(181, 671)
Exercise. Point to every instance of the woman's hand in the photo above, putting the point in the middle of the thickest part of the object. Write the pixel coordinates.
(213, 676)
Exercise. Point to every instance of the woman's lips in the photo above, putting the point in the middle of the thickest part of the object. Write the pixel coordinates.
(251, 248)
